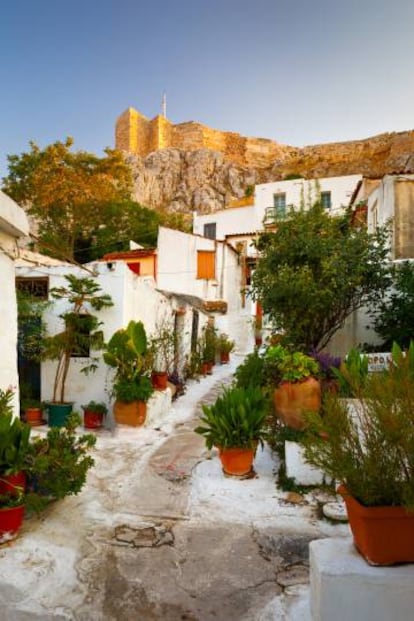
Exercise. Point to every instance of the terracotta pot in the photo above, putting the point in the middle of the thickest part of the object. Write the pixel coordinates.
(224, 357)
(236, 461)
(292, 400)
(207, 368)
(92, 420)
(11, 519)
(258, 340)
(12, 483)
(159, 380)
(382, 535)
(132, 414)
(33, 416)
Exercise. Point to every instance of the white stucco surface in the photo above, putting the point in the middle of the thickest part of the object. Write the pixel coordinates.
(13, 224)
(298, 468)
(344, 586)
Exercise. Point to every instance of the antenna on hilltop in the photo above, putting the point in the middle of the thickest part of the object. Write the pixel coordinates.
(164, 105)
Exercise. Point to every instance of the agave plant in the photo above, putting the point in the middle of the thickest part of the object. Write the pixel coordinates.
(235, 420)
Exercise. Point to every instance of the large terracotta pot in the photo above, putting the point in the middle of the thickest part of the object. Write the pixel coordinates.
(236, 461)
(292, 400)
(11, 519)
(382, 535)
(132, 414)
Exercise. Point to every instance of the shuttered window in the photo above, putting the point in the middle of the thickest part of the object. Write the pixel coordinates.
(206, 264)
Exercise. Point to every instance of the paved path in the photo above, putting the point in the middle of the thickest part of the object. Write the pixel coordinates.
(129, 549)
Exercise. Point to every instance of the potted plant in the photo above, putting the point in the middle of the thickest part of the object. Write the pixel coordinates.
(298, 388)
(162, 347)
(208, 348)
(127, 352)
(93, 414)
(57, 464)
(224, 346)
(235, 424)
(79, 334)
(328, 366)
(14, 445)
(370, 451)
(33, 412)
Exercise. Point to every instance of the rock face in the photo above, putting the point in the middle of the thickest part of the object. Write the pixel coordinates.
(183, 181)
(205, 180)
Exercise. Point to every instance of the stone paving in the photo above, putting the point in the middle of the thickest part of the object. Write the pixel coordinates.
(128, 548)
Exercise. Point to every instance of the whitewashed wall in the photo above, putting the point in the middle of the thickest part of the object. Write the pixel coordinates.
(13, 224)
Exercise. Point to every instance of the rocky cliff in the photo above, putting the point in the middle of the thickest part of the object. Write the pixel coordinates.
(205, 180)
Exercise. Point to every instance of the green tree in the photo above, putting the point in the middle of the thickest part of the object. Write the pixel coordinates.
(66, 191)
(394, 315)
(314, 271)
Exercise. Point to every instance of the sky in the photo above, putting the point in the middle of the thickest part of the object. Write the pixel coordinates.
(296, 71)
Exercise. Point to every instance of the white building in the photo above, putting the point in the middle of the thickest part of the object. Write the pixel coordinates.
(241, 224)
(13, 224)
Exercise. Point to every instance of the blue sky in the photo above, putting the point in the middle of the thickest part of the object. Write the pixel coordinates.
(300, 72)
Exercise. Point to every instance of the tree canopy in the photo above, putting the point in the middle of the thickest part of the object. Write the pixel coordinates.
(66, 191)
(314, 271)
(394, 314)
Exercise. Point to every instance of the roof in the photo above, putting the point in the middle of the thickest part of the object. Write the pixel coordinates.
(128, 255)
(27, 257)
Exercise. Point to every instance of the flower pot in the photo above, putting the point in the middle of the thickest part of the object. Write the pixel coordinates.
(130, 413)
(33, 416)
(159, 380)
(236, 461)
(12, 484)
(92, 420)
(224, 357)
(58, 413)
(382, 535)
(207, 368)
(292, 400)
(11, 519)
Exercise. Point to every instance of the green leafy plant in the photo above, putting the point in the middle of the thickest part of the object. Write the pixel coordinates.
(224, 344)
(352, 374)
(14, 443)
(235, 420)
(97, 407)
(57, 465)
(315, 271)
(6, 397)
(370, 448)
(282, 365)
(127, 352)
(209, 343)
(80, 330)
(162, 347)
(251, 372)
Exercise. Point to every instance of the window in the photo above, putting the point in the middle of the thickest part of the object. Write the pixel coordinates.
(279, 203)
(326, 200)
(210, 230)
(37, 287)
(206, 264)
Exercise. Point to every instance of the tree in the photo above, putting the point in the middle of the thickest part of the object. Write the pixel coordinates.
(66, 191)
(314, 271)
(394, 315)
(80, 331)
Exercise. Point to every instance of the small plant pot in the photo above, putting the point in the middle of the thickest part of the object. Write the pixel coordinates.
(12, 484)
(236, 461)
(11, 519)
(92, 420)
(159, 380)
(33, 416)
(58, 413)
(132, 414)
(224, 357)
(382, 535)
